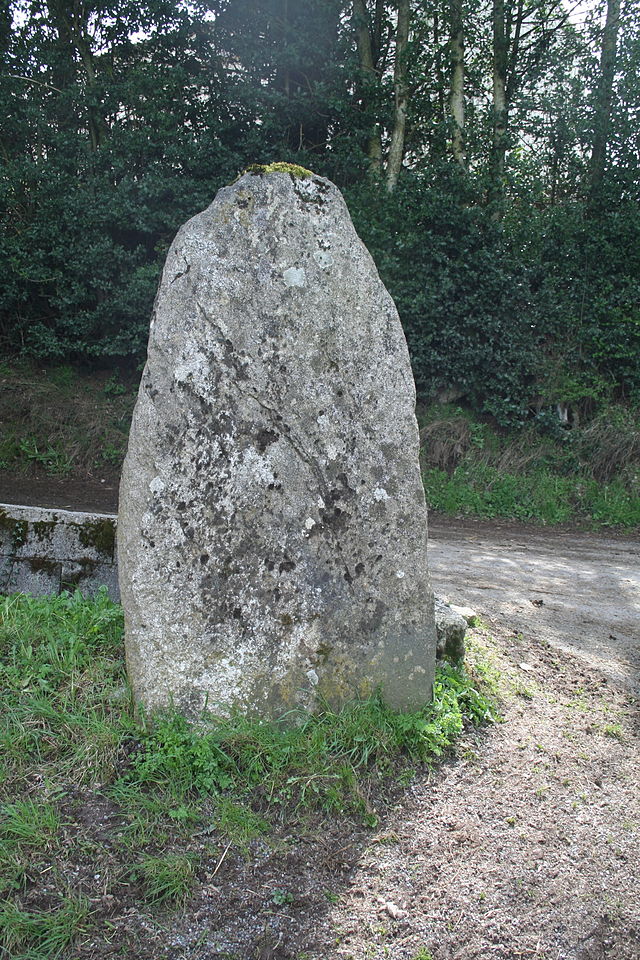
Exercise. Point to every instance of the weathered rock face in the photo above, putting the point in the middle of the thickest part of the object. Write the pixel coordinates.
(272, 531)
(451, 627)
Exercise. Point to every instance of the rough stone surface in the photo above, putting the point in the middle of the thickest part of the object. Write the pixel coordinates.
(45, 551)
(272, 530)
(467, 613)
(451, 627)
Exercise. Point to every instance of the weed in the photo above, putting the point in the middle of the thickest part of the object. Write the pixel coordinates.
(314, 764)
(589, 475)
(239, 823)
(613, 730)
(113, 387)
(63, 376)
(28, 823)
(281, 897)
(44, 934)
(423, 954)
(52, 457)
(167, 879)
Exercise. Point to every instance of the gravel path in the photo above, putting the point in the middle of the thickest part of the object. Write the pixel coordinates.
(577, 590)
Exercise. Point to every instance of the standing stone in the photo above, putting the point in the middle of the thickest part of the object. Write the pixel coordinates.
(273, 531)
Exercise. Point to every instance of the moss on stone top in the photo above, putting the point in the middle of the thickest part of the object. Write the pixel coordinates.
(300, 173)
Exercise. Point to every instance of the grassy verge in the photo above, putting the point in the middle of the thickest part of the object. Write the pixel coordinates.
(588, 476)
(65, 423)
(97, 809)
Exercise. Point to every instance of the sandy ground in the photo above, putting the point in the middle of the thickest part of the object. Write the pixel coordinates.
(577, 590)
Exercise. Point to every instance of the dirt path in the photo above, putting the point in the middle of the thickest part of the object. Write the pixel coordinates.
(576, 590)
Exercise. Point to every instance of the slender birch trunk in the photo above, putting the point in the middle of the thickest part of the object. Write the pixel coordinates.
(401, 92)
(608, 54)
(500, 107)
(456, 92)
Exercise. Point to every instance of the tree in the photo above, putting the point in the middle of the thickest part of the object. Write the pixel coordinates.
(456, 88)
(603, 98)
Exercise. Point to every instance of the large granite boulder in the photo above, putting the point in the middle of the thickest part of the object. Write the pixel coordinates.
(272, 532)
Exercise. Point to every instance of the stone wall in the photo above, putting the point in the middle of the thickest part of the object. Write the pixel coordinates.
(45, 551)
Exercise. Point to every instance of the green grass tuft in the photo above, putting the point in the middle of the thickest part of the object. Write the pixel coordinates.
(30, 935)
(168, 878)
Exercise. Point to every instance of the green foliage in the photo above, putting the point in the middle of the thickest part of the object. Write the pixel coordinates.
(166, 879)
(27, 935)
(67, 709)
(281, 898)
(63, 678)
(461, 295)
(109, 148)
(314, 763)
(541, 497)
(544, 474)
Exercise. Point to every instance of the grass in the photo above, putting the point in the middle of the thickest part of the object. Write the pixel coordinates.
(40, 935)
(588, 476)
(168, 878)
(69, 423)
(74, 756)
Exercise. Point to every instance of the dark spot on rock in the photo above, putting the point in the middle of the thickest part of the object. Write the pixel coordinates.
(359, 569)
(277, 594)
(286, 566)
(237, 613)
(286, 619)
(41, 565)
(204, 557)
(265, 438)
(347, 575)
(181, 505)
(323, 651)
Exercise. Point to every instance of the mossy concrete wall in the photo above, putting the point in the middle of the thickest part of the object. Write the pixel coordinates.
(45, 551)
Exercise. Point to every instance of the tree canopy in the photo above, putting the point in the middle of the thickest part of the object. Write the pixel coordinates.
(488, 150)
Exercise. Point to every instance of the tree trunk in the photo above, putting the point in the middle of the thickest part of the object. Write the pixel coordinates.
(456, 92)
(500, 108)
(604, 98)
(401, 91)
(70, 22)
(368, 67)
